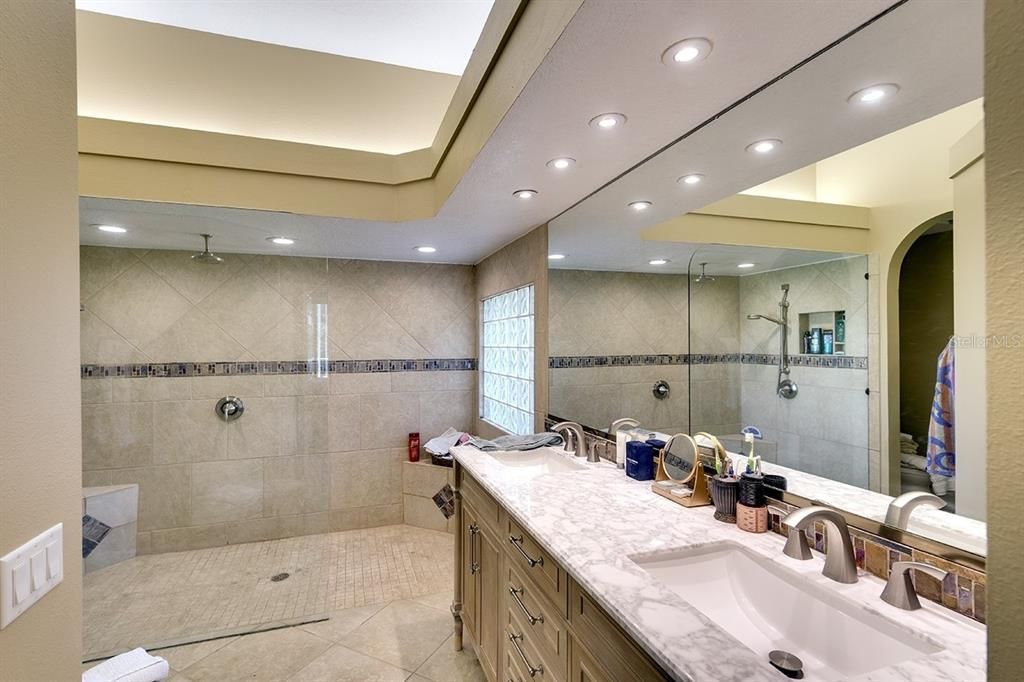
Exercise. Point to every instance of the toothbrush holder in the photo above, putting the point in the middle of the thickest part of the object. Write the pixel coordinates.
(724, 493)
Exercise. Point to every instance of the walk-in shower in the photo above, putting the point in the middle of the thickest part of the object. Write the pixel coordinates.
(785, 387)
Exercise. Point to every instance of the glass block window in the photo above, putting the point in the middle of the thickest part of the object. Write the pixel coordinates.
(506, 354)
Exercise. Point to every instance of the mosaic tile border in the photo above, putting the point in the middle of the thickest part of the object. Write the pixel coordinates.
(200, 369)
(824, 361)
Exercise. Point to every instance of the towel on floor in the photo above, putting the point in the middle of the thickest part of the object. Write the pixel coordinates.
(941, 450)
(528, 442)
(134, 666)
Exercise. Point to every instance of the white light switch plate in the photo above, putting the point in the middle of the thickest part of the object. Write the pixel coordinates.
(29, 572)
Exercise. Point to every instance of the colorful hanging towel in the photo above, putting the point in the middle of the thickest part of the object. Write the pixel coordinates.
(941, 445)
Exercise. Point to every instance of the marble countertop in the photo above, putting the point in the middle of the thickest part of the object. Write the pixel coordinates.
(591, 521)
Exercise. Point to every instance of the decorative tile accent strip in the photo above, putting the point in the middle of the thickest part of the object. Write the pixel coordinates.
(827, 361)
(577, 361)
(199, 369)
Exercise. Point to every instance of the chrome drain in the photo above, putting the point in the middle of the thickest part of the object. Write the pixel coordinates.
(786, 663)
(284, 576)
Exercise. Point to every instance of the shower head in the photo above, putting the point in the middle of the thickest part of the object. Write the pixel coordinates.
(702, 277)
(205, 256)
(765, 317)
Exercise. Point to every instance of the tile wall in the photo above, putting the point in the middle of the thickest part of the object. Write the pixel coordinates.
(311, 453)
(601, 314)
(824, 430)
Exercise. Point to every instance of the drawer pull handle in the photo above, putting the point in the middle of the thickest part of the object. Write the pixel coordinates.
(517, 542)
(539, 670)
(474, 566)
(515, 592)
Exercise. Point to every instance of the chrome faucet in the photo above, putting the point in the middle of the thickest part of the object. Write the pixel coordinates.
(620, 424)
(840, 564)
(574, 440)
(899, 590)
(900, 509)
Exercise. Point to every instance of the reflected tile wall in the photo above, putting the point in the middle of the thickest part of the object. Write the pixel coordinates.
(310, 453)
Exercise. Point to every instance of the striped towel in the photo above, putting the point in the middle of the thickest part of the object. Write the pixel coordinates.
(941, 451)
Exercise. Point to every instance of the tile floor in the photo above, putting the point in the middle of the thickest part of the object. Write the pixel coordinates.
(164, 599)
(406, 639)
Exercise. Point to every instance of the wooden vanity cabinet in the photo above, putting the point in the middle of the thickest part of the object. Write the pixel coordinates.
(526, 618)
(480, 577)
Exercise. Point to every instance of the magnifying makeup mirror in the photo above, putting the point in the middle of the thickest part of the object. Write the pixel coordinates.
(679, 458)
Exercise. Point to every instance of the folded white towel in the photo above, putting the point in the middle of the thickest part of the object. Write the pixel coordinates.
(133, 666)
(916, 461)
(906, 437)
(443, 443)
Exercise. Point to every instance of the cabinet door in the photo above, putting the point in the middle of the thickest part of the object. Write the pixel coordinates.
(470, 567)
(489, 602)
(583, 668)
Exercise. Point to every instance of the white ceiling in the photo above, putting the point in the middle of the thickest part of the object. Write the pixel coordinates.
(607, 59)
(808, 110)
(433, 35)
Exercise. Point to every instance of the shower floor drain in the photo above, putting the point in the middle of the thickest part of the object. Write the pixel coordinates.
(279, 577)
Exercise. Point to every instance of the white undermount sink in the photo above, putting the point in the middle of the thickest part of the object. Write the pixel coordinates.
(537, 462)
(768, 607)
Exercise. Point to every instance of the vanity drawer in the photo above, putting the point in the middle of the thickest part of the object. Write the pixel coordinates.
(487, 508)
(539, 618)
(526, 653)
(534, 562)
(611, 648)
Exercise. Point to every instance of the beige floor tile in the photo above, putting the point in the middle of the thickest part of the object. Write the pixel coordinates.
(342, 622)
(448, 665)
(270, 656)
(340, 664)
(192, 595)
(404, 634)
(181, 657)
(178, 677)
(438, 600)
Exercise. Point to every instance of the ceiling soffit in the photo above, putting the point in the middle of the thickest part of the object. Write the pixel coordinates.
(137, 140)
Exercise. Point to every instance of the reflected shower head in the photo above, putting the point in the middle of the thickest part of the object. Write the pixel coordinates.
(702, 277)
(205, 256)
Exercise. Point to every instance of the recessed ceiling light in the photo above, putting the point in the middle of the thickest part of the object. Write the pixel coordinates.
(873, 94)
(658, 261)
(746, 265)
(763, 146)
(687, 51)
(426, 249)
(639, 205)
(561, 163)
(524, 193)
(110, 228)
(691, 179)
(556, 256)
(283, 241)
(608, 121)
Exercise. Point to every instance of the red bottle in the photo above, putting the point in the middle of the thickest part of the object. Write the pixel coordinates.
(414, 447)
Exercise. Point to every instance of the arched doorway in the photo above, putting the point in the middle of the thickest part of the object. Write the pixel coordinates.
(925, 310)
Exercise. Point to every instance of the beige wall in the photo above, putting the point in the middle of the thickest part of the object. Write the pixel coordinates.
(969, 268)
(40, 455)
(310, 453)
(1004, 247)
(524, 261)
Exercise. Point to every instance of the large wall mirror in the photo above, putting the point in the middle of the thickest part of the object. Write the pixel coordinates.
(814, 283)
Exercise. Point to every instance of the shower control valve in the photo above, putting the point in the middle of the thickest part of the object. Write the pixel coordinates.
(229, 408)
